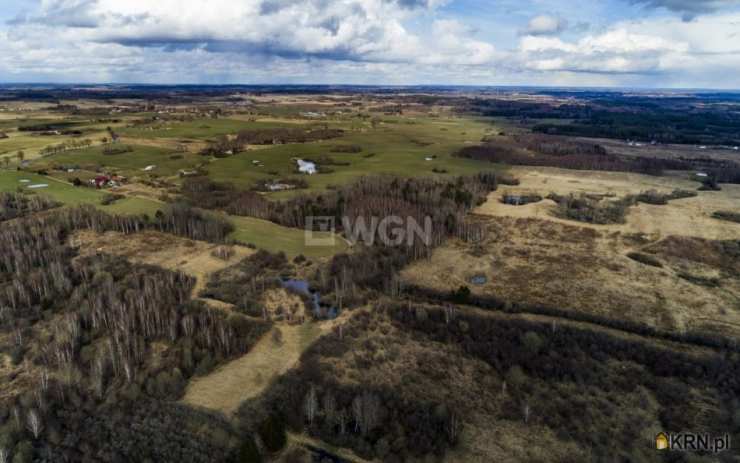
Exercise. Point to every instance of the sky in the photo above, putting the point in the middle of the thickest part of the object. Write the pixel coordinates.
(624, 43)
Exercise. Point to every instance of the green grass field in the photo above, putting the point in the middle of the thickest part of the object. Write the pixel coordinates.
(130, 164)
(10, 180)
(276, 238)
(400, 147)
(200, 129)
(263, 234)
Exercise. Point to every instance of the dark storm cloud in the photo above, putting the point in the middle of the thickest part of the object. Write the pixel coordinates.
(411, 4)
(264, 49)
(689, 9)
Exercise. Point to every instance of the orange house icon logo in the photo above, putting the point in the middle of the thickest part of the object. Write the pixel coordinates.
(661, 441)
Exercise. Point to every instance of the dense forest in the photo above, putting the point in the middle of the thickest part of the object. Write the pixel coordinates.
(97, 336)
(682, 121)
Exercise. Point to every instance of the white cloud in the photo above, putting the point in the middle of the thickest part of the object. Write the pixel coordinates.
(616, 51)
(545, 25)
(354, 41)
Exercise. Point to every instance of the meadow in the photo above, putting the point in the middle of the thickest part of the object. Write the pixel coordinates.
(198, 129)
(130, 164)
(276, 238)
(398, 146)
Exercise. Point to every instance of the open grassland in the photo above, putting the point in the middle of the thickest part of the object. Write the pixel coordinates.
(681, 217)
(198, 129)
(31, 143)
(668, 266)
(130, 164)
(397, 146)
(684, 284)
(276, 238)
(27, 142)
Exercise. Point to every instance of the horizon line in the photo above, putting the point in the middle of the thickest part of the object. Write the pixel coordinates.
(399, 86)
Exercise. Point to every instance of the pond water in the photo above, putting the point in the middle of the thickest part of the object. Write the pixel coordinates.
(302, 287)
(479, 280)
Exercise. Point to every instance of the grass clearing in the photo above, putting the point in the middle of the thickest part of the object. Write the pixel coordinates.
(199, 129)
(130, 164)
(248, 376)
(400, 147)
(276, 238)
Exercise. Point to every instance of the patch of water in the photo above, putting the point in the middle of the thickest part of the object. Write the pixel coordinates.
(302, 287)
(479, 280)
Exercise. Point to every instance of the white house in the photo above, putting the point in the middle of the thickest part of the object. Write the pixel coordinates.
(306, 167)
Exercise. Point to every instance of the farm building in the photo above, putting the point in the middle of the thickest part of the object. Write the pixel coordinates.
(306, 167)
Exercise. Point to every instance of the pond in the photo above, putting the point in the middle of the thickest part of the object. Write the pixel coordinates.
(302, 287)
(479, 280)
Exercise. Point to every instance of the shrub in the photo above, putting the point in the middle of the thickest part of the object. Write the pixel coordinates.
(346, 149)
(590, 210)
(520, 200)
(656, 198)
(727, 215)
(645, 259)
(272, 433)
(110, 198)
(699, 280)
(248, 452)
(461, 295)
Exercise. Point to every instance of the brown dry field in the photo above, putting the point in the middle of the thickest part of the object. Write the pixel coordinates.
(248, 376)
(168, 251)
(532, 257)
(683, 217)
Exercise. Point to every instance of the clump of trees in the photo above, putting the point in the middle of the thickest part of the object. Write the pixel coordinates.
(244, 283)
(656, 198)
(74, 144)
(282, 135)
(112, 149)
(587, 209)
(223, 146)
(727, 215)
(14, 205)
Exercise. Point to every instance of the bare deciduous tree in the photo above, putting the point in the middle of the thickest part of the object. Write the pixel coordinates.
(34, 423)
(311, 405)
